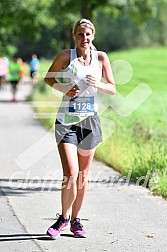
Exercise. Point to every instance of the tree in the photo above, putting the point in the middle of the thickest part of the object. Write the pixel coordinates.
(22, 18)
(46, 25)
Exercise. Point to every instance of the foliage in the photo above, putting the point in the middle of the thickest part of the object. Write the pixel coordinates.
(45, 26)
(22, 19)
(122, 31)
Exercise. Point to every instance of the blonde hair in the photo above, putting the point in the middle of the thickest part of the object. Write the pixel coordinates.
(87, 23)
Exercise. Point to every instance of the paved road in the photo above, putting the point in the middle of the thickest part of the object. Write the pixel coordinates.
(118, 216)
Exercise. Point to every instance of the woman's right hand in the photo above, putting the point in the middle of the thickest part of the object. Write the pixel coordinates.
(73, 92)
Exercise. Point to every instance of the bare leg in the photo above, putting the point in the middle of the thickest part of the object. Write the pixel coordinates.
(69, 160)
(14, 94)
(85, 162)
(14, 89)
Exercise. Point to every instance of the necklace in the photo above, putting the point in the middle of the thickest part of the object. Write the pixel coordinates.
(84, 60)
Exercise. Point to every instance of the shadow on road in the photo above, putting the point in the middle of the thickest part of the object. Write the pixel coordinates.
(22, 237)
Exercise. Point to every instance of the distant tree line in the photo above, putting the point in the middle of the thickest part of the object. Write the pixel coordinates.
(45, 26)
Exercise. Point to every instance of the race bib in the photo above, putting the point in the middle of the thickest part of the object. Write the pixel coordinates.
(81, 105)
(14, 73)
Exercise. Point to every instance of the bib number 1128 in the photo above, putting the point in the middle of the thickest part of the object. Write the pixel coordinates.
(82, 105)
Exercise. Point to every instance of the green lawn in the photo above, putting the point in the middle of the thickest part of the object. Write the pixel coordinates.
(138, 143)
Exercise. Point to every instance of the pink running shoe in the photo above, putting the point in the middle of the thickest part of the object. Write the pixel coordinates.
(77, 228)
(57, 227)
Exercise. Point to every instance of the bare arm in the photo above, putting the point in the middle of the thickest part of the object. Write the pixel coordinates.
(55, 68)
(60, 62)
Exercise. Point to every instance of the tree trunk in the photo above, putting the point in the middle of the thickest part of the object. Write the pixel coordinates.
(87, 8)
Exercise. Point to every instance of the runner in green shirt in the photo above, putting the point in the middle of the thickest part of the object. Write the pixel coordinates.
(14, 76)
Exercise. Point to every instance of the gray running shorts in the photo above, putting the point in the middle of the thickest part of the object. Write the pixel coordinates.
(85, 134)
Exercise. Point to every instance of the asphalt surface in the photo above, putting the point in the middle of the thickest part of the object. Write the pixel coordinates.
(118, 215)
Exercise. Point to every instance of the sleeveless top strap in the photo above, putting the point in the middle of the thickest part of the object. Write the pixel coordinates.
(73, 54)
(94, 58)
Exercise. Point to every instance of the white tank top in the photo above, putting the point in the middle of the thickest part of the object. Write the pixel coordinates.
(74, 110)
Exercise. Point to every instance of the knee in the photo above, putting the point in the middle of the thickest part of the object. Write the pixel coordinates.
(70, 177)
(83, 177)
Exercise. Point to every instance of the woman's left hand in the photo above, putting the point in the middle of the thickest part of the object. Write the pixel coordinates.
(91, 81)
